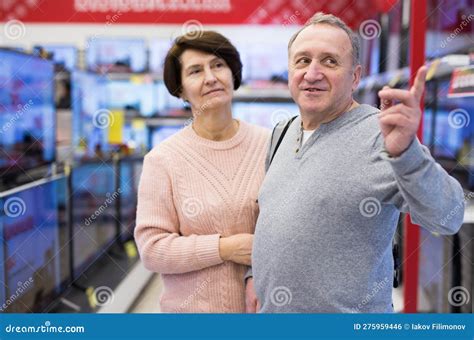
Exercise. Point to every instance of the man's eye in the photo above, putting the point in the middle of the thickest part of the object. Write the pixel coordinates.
(194, 71)
(330, 61)
(303, 61)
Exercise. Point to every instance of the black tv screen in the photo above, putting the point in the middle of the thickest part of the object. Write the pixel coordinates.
(94, 212)
(35, 244)
(64, 56)
(130, 172)
(27, 112)
(116, 55)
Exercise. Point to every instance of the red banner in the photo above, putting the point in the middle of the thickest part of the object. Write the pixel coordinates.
(280, 12)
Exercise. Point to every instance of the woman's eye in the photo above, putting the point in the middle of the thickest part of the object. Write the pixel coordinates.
(219, 65)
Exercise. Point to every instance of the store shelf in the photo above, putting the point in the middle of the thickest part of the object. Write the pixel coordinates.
(445, 66)
(131, 75)
(129, 290)
(268, 94)
(166, 121)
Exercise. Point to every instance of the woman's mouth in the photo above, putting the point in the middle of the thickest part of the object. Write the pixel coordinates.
(212, 91)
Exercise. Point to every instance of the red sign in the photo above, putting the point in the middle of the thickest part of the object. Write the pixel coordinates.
(462, 83)
(281, 12)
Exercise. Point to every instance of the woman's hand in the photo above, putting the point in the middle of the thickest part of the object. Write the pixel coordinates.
(236, 248)
(252, 305)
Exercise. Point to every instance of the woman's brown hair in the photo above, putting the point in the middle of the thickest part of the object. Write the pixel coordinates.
(205, 41)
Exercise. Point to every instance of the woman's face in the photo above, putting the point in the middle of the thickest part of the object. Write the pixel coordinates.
(207, 81)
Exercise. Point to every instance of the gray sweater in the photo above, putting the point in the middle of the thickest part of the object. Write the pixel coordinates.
(328, 214)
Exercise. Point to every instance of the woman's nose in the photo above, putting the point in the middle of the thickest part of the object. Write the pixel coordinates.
(209, 77)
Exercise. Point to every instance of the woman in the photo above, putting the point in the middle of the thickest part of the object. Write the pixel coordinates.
(197, 196)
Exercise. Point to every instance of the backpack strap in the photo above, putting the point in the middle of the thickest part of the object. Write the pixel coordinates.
(278, 133)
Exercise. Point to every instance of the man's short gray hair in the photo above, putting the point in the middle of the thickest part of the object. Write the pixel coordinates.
(332, 20)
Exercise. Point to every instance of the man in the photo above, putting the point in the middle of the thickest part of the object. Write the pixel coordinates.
(331, 199)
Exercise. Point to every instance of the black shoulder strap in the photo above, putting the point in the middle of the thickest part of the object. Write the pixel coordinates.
(279, 132)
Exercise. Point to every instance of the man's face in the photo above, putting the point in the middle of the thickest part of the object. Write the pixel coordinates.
(321, 75)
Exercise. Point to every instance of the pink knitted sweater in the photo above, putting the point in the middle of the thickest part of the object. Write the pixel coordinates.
(193, 191)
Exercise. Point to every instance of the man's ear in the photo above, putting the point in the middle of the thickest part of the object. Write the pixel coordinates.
(356, 77)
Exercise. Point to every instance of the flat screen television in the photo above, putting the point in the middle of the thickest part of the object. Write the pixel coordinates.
(135, 136)
(264, 61)
(448, 140)
(454, 125)
(428, 127)
(158, 49)
(161, 133)
(35, 241)
(116, 55)
(3, 283)
(264, 114)
(89, 114)
(94, 212)
(166, 104)
(130, 95)
(64, 56)
(130, 172)
(27, 112)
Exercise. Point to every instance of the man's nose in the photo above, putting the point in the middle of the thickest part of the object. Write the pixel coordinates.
(313, 72)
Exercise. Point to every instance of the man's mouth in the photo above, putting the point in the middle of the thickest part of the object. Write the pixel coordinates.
(314, 89)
